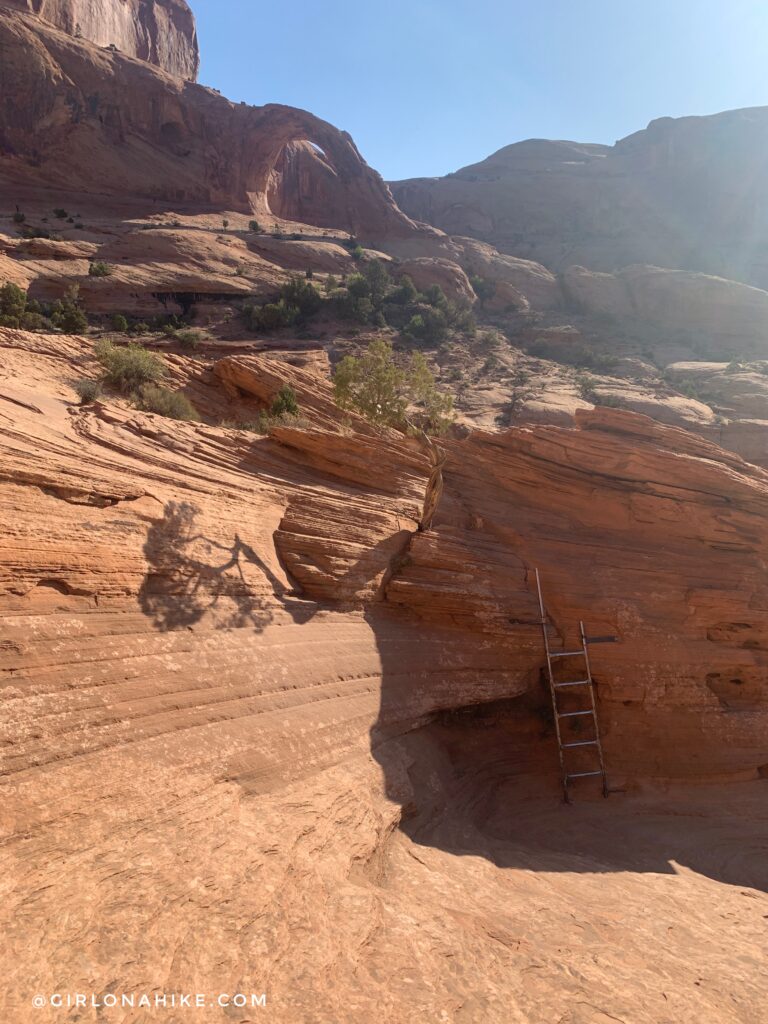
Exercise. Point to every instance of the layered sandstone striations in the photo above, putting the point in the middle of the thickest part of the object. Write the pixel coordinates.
(240, 682)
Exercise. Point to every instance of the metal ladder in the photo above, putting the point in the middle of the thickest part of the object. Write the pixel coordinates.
(587, 682)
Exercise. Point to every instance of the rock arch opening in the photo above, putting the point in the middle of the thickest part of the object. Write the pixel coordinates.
(304, 186)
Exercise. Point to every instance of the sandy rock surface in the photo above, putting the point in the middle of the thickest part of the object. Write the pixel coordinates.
(276, 740)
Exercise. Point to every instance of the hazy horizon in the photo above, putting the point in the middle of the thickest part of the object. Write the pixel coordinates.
(439, 85)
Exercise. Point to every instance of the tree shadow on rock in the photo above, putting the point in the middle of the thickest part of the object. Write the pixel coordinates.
(191, 575)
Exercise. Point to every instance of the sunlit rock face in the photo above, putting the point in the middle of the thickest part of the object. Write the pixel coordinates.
(159, 31)
(688, 193)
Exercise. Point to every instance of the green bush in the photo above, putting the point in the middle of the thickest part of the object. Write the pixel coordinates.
(285, 403)
(128, 368)
(302, 294)
(119, 322)
(483, 289)
(571, 354)
(428, 326)
(99, 269)
(88, 390)
(67, 314)
(164, 402)
(29, 232)
(13, 302)
(17, 310)
(60, 213)
(255, 227)
(189, 339)
(405, 292)
(299, 300)
(19, 217)
(381, 389)
(270, 317)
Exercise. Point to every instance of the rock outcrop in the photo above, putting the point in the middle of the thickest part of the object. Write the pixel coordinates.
(684, 193)
(77, 115)
(730, 314)
(159, 31)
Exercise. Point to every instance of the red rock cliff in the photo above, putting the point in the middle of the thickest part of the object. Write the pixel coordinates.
(159, 31)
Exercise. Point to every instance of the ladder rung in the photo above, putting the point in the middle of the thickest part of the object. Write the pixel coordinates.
(567, 654)
(573, 714)
(581, 775)
(575, 682)
(581, 743)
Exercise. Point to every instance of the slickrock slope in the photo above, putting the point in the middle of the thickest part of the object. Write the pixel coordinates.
(274, 739)
(687, 193)
(159, 31)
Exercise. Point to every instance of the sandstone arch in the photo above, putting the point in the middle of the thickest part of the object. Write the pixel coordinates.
(299, 167)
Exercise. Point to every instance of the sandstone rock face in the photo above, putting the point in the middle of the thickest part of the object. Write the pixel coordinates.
(732, 313)
(78, 114)
(684, 193)
(159, 31)
(290, 721)
(445, 273)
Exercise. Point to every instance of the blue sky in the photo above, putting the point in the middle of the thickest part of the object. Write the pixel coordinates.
(428, 86)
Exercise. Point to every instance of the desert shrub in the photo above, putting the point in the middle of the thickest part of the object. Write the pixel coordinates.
(119, 322)
(404, 293)
(60, 213)
(29, 232)
(357, 253)
(381, 389)
(428, 326)
(188, 339)
(379, 281)
(270, 317)
(266, 421)
(585, 384)
(285, 403)
(435, 296)
(19, 217)
(88, 390)
(13, 302)
(18, 310)
(67, 313)
(571, 354)
(225, 223)
(483, 288)
(99, 269)
(33, 321)
(299, 300)
(302, 294)
(140, 328)
(164, 402)
(128, 368)
(255, 227)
